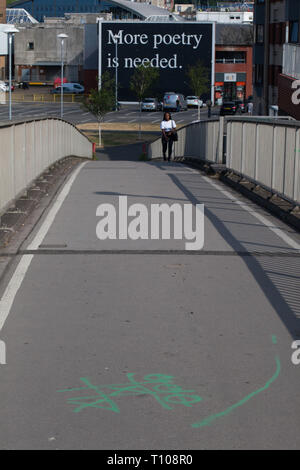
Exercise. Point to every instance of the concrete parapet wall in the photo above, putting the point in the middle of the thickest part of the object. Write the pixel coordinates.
(29, 148)
(200, 140)
(267, 151)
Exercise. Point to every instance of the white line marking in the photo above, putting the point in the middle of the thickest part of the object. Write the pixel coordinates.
(20, 272)
(258, 216)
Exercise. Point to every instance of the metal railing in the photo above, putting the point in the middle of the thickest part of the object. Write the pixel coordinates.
(29, 147)
(230, 61)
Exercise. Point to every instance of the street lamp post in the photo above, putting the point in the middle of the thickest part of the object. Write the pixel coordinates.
(10, 31)
(116, 75)
(62, 38)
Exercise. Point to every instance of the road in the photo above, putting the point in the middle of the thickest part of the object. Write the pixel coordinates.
(81, 316)
(75, 114)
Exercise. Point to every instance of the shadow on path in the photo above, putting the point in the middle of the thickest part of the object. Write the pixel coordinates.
(130, 152)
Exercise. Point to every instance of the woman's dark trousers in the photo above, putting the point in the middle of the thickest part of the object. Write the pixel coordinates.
(167, 145)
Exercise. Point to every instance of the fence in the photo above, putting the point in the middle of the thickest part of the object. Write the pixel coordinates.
(41, 98)
(267, 151)
(29, 148)
(200, 140)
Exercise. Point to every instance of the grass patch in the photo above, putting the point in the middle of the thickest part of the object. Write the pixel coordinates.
(114, 138)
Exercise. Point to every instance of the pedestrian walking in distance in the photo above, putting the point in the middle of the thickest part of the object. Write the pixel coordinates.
(168, 130)
(250, 108)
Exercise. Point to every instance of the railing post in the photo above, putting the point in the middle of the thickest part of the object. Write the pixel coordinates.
(221, 140)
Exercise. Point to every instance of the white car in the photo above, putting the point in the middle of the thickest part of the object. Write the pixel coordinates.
(3, 86)
(194, 102)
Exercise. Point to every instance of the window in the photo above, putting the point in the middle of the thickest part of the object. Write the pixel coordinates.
(294, 31)
(260, 33)
(30, 46)
(231, 57)
(259, 73)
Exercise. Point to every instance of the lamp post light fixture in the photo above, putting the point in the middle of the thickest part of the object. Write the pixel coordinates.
(10, 30)
(62, 38)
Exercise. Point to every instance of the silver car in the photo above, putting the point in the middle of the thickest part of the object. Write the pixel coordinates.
(194, 102)
(174, 102)
(151, 104)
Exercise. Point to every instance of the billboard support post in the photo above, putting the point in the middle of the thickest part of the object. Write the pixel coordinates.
(99, 53)
(116, 75)
(213, 64)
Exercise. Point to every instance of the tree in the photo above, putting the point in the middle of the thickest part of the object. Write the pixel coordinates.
(199, 80)
(99, 102)
(142, 81)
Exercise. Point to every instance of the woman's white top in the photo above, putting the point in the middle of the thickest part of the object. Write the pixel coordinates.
(168, 125)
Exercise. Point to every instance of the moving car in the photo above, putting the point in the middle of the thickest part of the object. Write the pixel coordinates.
(174, 102)
(151, 104)
(71, 88)
(228, 108)
(193, 102)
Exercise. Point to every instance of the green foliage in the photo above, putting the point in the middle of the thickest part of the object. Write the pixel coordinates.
(142, 80)
(198, 77)
(100, 102)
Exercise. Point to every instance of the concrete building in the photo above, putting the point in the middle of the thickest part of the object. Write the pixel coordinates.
(38, 49)
(232, 17)
(186, 10)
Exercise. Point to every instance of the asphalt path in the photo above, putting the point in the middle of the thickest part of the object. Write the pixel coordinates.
(122, 344)
(74, 113)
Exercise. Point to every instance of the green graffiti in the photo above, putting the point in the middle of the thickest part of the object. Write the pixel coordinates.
(207, 421)
(159, 386)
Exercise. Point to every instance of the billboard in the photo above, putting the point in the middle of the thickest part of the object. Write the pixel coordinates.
(170, 47)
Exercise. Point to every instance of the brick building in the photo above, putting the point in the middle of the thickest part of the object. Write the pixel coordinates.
(233, 67)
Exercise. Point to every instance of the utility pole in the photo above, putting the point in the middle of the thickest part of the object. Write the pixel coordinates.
(266, 59)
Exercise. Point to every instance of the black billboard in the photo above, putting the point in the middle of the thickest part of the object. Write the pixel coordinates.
(170, 47)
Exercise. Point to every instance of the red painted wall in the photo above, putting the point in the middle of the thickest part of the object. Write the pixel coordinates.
(235, 68)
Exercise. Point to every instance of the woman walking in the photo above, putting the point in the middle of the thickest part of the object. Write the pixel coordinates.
(168, 128)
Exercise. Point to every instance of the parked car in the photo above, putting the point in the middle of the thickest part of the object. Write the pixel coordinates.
(228, 108)
(3, 87)
(151, 104)
(174, 102)
(69, 88)
(12, 86)
(240, 106)
(193, 102)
